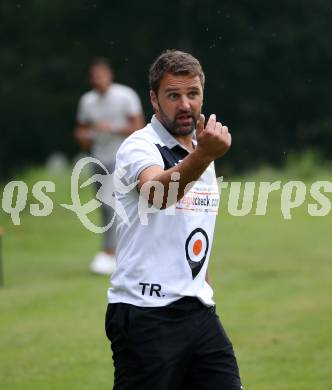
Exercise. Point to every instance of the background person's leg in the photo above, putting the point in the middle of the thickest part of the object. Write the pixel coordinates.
(107, 213)
(104, 261)
(109, 237)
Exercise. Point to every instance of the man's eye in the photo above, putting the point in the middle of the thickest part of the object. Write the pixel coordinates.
(193, 94)
(173, 96)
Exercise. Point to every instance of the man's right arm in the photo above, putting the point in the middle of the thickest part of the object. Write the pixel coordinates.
(213, 141)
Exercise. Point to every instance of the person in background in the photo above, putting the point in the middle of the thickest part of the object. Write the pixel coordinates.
(106, 116)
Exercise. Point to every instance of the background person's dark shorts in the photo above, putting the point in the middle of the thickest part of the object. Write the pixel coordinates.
(182, 346)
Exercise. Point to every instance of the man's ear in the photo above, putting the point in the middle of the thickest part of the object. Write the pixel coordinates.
(154, 101)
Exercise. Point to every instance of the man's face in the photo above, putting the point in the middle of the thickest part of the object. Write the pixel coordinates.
(100, 77)
(178, 103)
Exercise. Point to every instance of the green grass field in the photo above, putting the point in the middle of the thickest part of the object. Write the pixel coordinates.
(272, 280)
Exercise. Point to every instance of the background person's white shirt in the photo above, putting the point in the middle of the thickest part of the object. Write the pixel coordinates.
(114, 107)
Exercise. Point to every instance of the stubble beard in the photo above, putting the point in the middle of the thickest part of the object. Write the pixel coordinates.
(173, 127)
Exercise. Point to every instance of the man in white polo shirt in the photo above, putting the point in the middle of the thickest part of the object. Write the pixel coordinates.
(106, 115)
(161, 319)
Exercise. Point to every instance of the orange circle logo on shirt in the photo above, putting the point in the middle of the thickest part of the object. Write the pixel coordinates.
(197, 246)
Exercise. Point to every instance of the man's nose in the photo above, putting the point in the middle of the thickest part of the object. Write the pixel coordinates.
(184, 103)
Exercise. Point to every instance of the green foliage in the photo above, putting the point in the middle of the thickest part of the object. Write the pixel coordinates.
(305, 165)
(267, 67)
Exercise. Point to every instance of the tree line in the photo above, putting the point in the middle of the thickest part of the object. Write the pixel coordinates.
(267, 65)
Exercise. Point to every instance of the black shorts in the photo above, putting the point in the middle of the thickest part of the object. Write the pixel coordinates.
(182, 346)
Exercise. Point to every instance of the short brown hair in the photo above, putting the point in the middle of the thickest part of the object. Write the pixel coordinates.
(100, 61)
(174, 62)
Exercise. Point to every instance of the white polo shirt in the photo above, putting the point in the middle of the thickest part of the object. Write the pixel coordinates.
(162, 256)
(114, 107)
